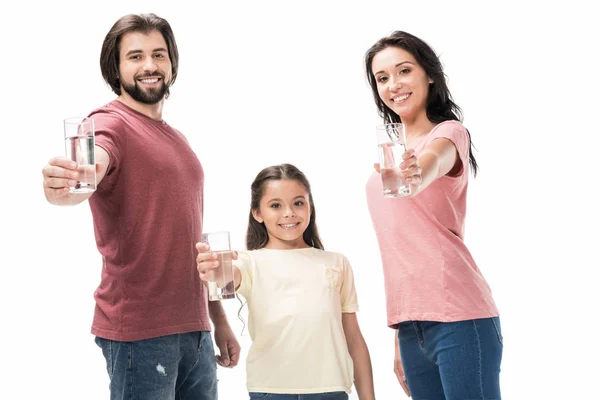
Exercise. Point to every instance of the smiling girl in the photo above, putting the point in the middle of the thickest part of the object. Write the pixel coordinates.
(306, 342)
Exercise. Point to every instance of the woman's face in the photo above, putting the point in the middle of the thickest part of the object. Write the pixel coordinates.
(402, 84)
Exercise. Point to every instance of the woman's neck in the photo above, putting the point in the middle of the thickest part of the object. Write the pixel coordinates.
(416, 128)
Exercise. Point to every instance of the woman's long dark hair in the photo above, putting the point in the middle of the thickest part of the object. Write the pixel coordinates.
(440, 106)
(257, 236)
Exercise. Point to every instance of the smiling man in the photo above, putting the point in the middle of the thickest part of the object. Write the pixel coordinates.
(152, 317)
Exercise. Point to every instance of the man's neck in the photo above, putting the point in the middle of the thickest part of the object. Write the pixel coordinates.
(153, 111)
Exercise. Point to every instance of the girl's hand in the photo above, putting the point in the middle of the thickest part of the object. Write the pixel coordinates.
(207, 262)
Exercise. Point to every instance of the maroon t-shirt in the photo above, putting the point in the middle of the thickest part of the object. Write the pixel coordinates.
(147, 214)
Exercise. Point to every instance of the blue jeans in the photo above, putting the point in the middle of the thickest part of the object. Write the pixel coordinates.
(452, 361)
(312, 396)
(174, 367)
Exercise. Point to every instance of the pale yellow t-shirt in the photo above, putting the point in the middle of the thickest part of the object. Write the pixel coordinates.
(295, 303)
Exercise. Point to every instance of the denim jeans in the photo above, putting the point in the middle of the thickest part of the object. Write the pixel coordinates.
(312, 396)
(452, 361)
(174, 367)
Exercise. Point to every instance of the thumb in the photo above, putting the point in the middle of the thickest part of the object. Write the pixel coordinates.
(377, 167)
(224, 357)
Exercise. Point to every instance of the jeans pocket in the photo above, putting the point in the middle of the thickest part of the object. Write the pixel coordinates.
(258, 396)
(496, 322)
(106, 346)
(206, 352)
(200, 338)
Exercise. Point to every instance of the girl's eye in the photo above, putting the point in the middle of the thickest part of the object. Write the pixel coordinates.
(382, 79)
(299, 203)
(275, 205)
(405, 71)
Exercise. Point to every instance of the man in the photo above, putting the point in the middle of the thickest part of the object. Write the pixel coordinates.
(152, 315)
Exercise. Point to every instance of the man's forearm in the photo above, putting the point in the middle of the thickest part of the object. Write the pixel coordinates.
(216, 312)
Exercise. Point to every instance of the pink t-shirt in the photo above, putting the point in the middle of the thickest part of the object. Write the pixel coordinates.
(429, 273)
(147, 216)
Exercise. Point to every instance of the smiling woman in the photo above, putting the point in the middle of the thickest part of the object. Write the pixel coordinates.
(448, 330)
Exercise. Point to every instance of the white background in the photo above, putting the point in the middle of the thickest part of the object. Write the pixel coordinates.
(270, 82)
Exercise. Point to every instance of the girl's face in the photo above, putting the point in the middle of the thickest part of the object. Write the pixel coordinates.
(285, 210)
(402, 83)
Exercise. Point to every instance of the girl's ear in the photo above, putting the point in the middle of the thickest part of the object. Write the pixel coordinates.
(256, 215)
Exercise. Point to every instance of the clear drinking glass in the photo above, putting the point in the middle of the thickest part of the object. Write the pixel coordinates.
(79, 147)
(391, 140)
(220, 283)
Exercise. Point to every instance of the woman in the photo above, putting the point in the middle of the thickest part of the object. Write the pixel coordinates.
(448, 330)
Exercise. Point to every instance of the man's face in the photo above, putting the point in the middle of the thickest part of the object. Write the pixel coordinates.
(145, 67)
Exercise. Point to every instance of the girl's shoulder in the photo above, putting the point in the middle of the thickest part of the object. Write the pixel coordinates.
(333, 257)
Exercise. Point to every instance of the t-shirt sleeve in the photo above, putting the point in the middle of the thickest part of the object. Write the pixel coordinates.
(347, 290)
(108, 132)
(457, 134)
(244, 264)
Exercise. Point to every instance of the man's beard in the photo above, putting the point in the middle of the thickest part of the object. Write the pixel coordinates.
(148, 96)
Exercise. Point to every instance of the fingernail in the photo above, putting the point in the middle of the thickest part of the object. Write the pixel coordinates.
(73, 165)
(72, 183)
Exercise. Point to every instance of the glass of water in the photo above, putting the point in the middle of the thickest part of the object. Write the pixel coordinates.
(391, 140)
(79, 147)
(220, 280)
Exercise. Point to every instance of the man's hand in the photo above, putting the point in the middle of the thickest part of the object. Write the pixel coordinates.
(227, 344)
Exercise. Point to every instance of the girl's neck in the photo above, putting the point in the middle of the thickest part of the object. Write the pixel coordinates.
(277, 244)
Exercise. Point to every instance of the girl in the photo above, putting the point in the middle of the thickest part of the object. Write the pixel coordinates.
(448, 328)
(306, 342)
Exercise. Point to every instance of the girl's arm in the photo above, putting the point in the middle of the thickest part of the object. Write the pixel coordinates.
(237, 277)
(207, 261)
(363, 372)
